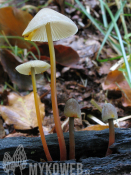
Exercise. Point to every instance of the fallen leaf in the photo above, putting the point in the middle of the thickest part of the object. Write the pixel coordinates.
(21, 111)
(85, 48)
(115, 80)
(17, 134)
(112, 78)
(126, 94)
(9, 62)
(65, 55)
(12, 98)
(96, 127)
(13, 22)
(105, 68)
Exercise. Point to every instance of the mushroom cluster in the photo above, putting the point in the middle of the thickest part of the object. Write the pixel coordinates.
(48, 26)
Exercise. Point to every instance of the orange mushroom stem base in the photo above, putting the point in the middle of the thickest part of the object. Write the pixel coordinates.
(47, 153)
(111, 136)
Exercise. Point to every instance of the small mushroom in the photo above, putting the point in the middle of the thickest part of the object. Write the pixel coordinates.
(72, 110)
(48, 26)
(109, 114)
(32, 68)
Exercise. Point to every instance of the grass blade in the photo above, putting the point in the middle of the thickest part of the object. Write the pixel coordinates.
(120, 41)
(21, 38)
(108, 33)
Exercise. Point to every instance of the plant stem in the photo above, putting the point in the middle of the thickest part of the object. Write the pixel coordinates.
(96, 105)
(71, 138)
(47, 153)
(111, 136)
(54, 95)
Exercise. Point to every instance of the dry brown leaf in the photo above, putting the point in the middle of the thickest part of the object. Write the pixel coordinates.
(21, 111)
(112, 78)
(96, 127)
(9, 62)
(17, 134)
(13, 21)
(105, 68)
(65, 55)
(116, 81)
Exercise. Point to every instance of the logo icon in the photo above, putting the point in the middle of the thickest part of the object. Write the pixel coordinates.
(18, 160)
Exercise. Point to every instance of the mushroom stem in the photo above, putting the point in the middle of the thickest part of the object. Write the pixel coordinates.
(47, 153)
(54, 95)
(71, 138)
(111, 136)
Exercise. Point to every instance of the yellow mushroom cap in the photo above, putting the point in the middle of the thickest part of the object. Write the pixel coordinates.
(61, 26)
(40, 66)
(109, 112)
(72, 109)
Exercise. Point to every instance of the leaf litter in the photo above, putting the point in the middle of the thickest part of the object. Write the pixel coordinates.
(79, 75)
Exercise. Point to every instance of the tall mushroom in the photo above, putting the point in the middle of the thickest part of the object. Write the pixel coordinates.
(72, 110)
(32, 68)
(109, 114)
(48, 26)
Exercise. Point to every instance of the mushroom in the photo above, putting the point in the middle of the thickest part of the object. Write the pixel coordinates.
(109, 114)
(72, 110)
(32, 68)
(48, 26)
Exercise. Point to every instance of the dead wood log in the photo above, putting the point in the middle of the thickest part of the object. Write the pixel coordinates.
(90, 150)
